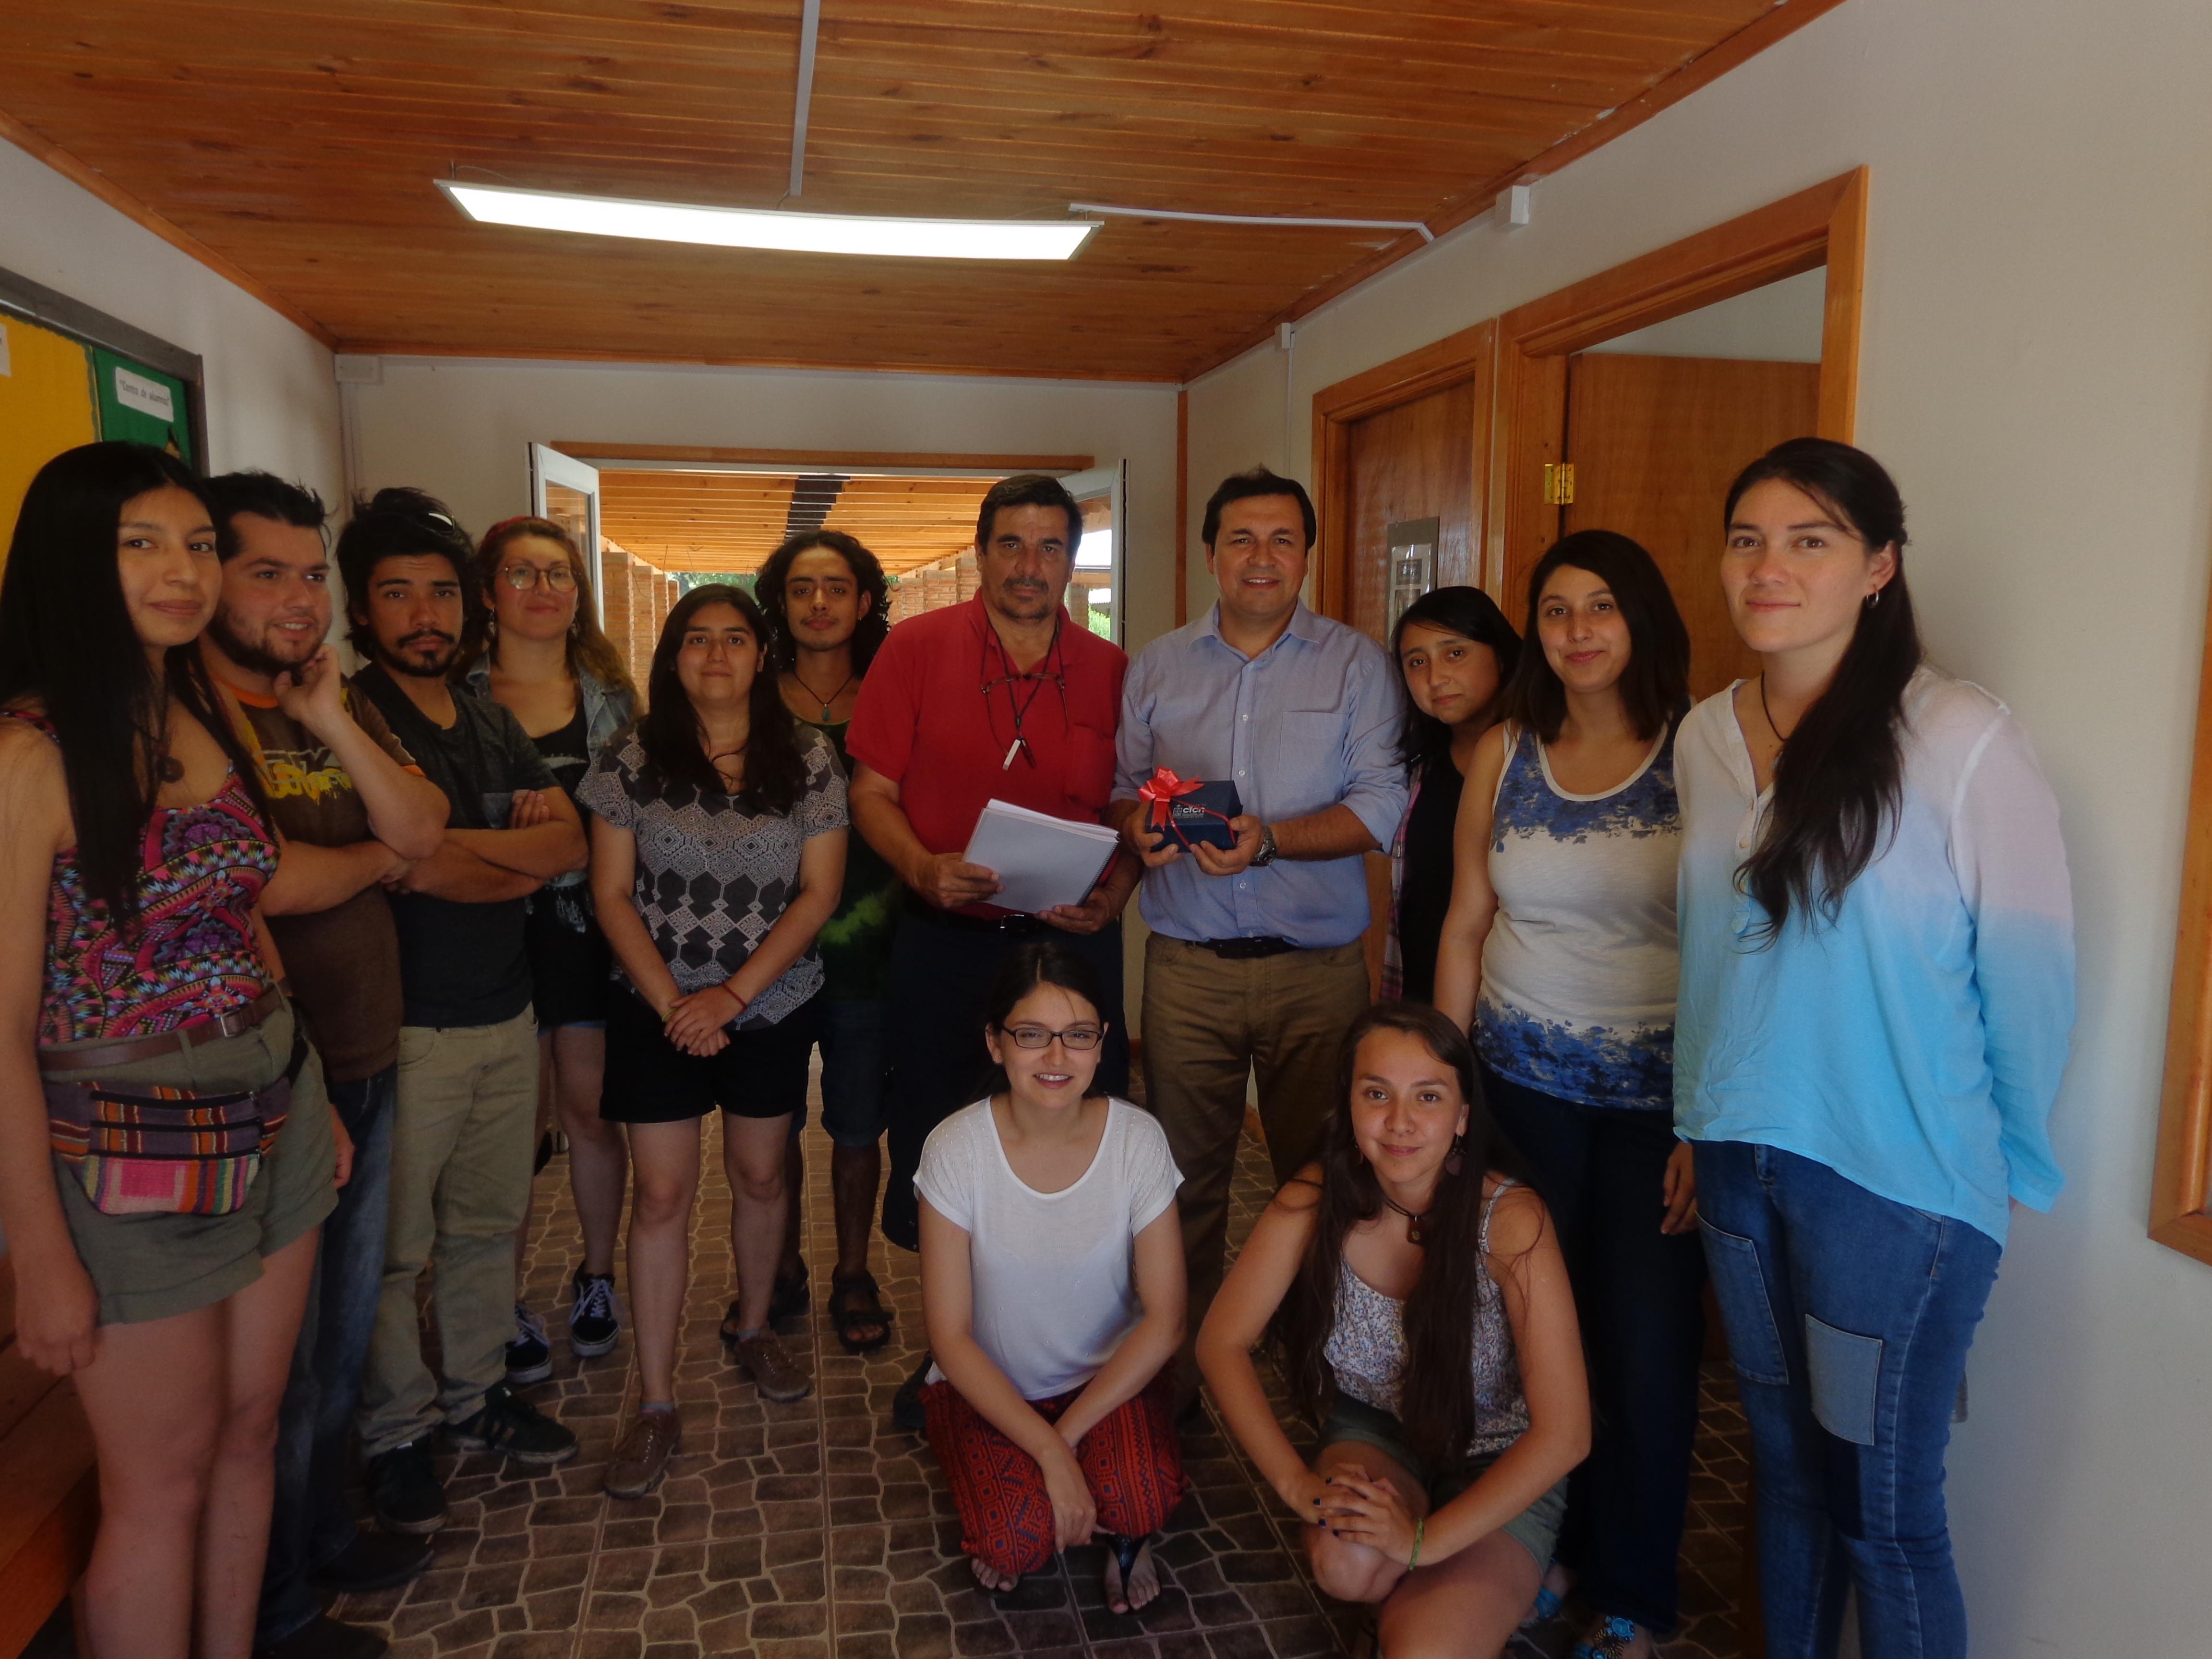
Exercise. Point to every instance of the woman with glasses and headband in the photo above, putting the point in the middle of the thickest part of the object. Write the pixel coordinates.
(544, 657)
(1052, 1285)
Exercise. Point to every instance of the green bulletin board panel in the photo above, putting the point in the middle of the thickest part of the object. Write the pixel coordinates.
(141, 404)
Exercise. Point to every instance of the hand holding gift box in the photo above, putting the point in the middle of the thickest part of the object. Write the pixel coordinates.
(1194, 812)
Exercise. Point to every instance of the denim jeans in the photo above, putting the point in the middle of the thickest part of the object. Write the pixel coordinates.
(1640, 1295)
(1849, 1318)
(312, 1520)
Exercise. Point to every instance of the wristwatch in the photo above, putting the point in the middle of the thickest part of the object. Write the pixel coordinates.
(1265, 855)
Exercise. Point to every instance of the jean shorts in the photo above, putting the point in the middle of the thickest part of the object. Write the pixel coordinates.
(856, 1104)
(1536, 1528)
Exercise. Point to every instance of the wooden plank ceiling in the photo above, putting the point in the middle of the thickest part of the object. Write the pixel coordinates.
(297, 140)
(729, 522)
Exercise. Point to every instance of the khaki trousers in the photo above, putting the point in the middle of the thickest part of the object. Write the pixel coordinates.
(464, 1131)
(1209, 1023)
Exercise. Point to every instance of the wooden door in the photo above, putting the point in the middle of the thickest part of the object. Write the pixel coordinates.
(1655, 442)
(1414, 460)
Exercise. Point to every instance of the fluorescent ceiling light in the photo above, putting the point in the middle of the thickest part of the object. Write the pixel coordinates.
(791, 233)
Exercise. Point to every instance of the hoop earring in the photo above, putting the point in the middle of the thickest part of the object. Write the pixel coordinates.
(1456, 1160)
(1874, 599)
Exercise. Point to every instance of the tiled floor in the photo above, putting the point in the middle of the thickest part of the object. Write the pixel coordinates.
(817, 1531)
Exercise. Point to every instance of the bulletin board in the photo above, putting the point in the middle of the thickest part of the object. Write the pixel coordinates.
(69, 374)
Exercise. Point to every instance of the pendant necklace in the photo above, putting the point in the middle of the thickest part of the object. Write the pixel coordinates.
(1412, 1222)
(832, 697)
(1769, 713)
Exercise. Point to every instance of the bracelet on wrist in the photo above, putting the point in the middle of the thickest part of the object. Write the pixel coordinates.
(1414, 1561)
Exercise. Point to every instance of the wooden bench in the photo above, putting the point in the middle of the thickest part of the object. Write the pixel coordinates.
(49, 1491)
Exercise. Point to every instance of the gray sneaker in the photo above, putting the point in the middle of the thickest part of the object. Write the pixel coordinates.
(763, 1358)
(641, 1461)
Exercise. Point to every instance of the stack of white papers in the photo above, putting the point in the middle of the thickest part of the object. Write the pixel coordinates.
(1041, 862)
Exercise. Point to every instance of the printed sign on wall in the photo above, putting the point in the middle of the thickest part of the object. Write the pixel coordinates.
(141, 404)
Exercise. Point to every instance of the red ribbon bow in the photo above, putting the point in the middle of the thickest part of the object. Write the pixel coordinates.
(1162, 789)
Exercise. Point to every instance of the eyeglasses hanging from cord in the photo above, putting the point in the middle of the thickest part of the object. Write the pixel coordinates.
(1052, 668)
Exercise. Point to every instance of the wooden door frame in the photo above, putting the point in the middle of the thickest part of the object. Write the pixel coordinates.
(1825, 225)
(2181, 1178)
(1469, 355)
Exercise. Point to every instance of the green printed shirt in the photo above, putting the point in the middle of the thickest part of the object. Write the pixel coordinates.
(855, 943)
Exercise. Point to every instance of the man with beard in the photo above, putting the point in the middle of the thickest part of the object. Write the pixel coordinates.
(464, 1132)
(1006, 696)
(352, 810)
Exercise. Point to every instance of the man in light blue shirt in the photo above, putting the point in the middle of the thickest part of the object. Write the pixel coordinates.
(1256, 958)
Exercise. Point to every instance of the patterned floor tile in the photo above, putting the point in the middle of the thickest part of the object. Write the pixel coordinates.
(816, 1530)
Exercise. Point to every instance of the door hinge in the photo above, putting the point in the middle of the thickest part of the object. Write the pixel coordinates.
(1559, 483)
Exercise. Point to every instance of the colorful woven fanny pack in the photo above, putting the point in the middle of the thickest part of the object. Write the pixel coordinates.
(146, 1149)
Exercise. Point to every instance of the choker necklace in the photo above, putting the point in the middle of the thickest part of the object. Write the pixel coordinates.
(1769, 713)
(832, 697)
(1412, 1222)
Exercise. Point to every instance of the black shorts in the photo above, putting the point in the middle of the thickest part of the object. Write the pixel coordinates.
(762, 1073)
(571, 970)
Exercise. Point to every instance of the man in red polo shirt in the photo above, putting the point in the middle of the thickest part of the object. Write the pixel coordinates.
(1004, 697)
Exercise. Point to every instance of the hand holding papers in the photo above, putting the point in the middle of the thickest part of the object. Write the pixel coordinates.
(1041, 862)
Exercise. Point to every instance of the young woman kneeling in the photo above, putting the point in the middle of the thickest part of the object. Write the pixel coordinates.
(1052, 1283)
(1421, 1310)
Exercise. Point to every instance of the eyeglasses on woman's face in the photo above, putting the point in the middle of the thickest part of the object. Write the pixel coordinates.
(1076, 1037)
(524, 577)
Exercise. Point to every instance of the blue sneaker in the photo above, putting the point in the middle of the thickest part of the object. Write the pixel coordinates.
(1615, 1638)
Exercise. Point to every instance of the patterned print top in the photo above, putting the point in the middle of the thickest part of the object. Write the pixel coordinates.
(1366, 1350)
(191, 955)
(712, 878)
(1579, 972)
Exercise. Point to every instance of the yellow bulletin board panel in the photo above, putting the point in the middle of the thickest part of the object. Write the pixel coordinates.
(46, 405)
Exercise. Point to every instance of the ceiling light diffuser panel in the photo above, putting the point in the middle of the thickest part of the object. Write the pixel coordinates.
(789, 232)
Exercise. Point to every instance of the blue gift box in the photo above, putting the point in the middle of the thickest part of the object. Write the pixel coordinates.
(1191, 816)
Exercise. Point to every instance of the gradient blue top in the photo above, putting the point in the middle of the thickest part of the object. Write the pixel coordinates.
(1310, 722)
(1914, 1042)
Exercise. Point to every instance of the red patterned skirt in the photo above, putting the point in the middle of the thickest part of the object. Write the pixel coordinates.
(1131, 1460)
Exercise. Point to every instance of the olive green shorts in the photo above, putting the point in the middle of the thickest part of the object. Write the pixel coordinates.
(1536, 1528)
(152, 1267)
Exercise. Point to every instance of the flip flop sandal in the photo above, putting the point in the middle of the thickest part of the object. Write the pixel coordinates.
(1546, 1609)
(1003, 1590)
(854, 1302)
(1125, 1550)
(788, 1300)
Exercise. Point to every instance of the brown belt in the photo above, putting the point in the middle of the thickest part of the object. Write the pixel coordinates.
(237, 1022)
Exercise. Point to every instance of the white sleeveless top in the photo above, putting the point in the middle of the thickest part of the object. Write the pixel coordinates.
(1580, 970)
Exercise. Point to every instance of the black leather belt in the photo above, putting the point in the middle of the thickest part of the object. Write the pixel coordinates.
(1012, 924)
(1247, 949)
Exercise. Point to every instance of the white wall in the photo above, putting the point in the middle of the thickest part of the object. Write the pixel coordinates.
(1778, 324)
(270, 400)
(461, 428)
(2037, 372)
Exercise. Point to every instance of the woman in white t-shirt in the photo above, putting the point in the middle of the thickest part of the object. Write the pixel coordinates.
(1052, 1286)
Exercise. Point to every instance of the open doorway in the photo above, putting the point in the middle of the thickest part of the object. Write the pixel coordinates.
(663, 525)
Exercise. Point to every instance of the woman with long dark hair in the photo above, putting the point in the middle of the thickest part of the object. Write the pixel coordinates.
(1877, 991)
(1560, 952)
(829, 608)
(542, 656)
(1454, 651)
(718, 846)
(1415, 1297)
(1052, 1285)
(166, 1147)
